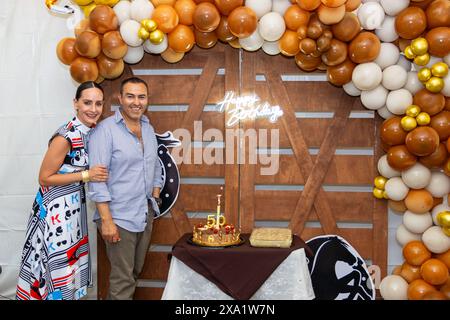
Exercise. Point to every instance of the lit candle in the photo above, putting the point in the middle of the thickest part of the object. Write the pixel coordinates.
(218, 211)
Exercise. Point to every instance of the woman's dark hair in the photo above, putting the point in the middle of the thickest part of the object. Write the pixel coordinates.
(87, 85)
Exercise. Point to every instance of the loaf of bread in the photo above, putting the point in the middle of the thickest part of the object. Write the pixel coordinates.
(271, 237)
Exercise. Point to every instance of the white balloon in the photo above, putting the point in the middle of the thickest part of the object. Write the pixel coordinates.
(272, 26)
(398, 100)
(141, 9)
(404, 236)
(367, 76)
(129, 31)
(413, 83)
(385, 113)
(271, 47)
(134, 55)
(156, 48)
(388, 56)
(394, 7)
(374, 99)
(439, 184)
(386, 32)
(351, 89)
(435, 240)
(396, 189)
(446, 90)
(394, 77)
(385, 169)
(260, 7)
(417, 177)
(371, 15)
(394, 287)
(281, 6)
(404, 63)
(253, 42)
(417, 222)
(122, 10)
(436, 210)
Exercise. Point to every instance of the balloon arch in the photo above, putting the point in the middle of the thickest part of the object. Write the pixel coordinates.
(393, 54)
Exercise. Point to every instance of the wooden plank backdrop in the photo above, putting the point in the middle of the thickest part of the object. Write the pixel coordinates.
(328, 150)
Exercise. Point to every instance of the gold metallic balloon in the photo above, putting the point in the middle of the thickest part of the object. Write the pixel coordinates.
(446, 231)
(423, 119)
(408, 123)
(380, 182)
(143, 33)
(88, 9)
(422, 60)
(439, 69)
(156, 37)
(149, 24)
(424, 74)
(385, 195)
(409, 53)
(443, 218)
(435, 84)
(378, 193)
(413, 110)
(419, 46)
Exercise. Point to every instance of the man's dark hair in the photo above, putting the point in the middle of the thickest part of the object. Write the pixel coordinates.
(132, 80)
(87, 85)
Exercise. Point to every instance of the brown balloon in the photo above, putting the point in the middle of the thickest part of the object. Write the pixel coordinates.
(206, 17)
(336, 54)
(416, 253)
(113, 45)
(352, 5)
(66, 50)
(323, 43)
(205, 40)
(171, 56)
(200, 1)
(110, 68)
(88, 44)
(438, 14)
(103, 19)
(422, 141)
(348, 28)
(437, 201)
(83, 25)
(429, 102)
(296, 17)
(439, 41)
(83, 69)
(309, 5)
(437, 158)
(410, 272)
(419, 201)
(364, 48)
(411, 22)
(289, 43)
(307, 46)
(242, 22)
(226, 6)
(418, 289)
(400, 158)
(185, 11)
(434, 295)
(398, 206)
(330, 16)
(223, 32)
(392, 132)
(307, 62)
(447, 104)
(181, 39)
(441, 123)
(434, 272)
(341, 73)
(423, 4)
(166, 17)
(302, 32)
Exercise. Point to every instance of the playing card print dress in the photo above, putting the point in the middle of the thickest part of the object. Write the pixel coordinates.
(55, 259)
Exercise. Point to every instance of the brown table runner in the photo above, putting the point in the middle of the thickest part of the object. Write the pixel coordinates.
(238, 271)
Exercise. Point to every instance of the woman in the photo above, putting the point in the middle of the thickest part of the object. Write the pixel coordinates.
(55, 260)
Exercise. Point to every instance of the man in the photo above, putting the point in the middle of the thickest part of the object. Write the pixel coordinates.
(126, 144)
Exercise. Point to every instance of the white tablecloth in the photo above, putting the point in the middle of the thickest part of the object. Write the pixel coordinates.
(290, 281)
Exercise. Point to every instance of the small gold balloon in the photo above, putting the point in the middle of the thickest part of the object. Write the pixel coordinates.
(143, 33)
(435, 84)
(443, 218)
(439, 69)
(424, 74)
(385, 195)
(408, 123)
(413, 110)
(419, 46)
(378, 193)
(422, 60)
(409, 53)
(149, 24)
(446, 231)
(156, 37)
(423, 119)
(380, 182)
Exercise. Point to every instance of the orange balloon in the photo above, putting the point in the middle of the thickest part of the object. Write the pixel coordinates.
(333, 3)
(410, 23)
(307, 62)
(83, 25)
(242, 22)
(418, 289)
(200, 1)
(336, 54)
(88, 44)
(392, 132)
(364, 48)
(438, 14)
(445, 289)
(434, 271)
(352, 5)
(400, 158)
(166, 17)
(171, 56)
(226, 6)
(160, 2)
(181, 39)
(436, 159)
(341, 73)
(409, 272)
(429, 102)
(289, 43)
(422, 141)
(223, 32)
(415, 253)
(66, 50)
(103, 19)
(113, 45)
(348, 28)
(445, 258)
(423, 4)
(330, 15)
(396, 270)
(206, 17)
(109, 68)
(434, 295)
(296, 17)
(441, 123)
(323, 43)
(309, 5)
(185, 11)
(205, 40)
(439, 41)
(83, 69)
(419, 201)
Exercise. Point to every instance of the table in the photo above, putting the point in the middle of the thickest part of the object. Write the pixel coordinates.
(242, 272)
